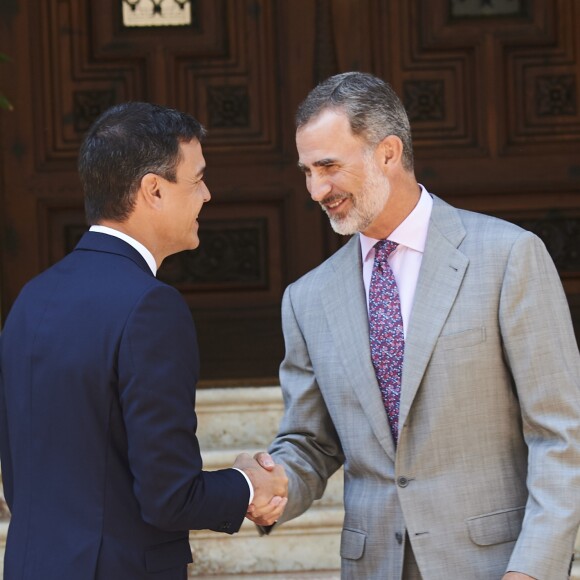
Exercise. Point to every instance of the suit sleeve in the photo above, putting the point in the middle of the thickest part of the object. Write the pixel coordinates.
(542, 354)
(158, 369)
(307, 443)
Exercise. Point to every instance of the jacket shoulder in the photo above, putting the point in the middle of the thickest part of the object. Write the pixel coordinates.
(478, 232)
(345, 254)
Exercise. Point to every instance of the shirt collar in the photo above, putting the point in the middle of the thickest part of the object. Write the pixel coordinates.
(147, 255)
(411, 232)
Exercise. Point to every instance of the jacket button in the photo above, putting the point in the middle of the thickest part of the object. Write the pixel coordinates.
(225, 526)
(399, 537)
(402, 482)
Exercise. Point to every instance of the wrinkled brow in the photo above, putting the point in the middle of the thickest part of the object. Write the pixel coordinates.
(320, 163)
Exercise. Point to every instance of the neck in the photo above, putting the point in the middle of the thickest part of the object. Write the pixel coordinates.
(138, 233)
(402, 201)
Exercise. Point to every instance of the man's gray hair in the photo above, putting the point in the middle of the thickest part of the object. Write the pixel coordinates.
(373, 109)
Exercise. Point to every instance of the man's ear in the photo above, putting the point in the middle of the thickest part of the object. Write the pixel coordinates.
(390, 150)
(150, 190)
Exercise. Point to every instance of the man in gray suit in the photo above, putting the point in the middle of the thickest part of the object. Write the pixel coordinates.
(469, 466)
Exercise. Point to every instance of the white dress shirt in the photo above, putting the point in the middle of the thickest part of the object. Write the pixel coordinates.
(148, 257)
(406, 260)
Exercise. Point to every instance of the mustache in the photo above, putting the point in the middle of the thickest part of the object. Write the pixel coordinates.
(333, 198)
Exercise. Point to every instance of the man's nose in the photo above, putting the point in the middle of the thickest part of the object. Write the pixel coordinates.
(318, 187)
(206, 194)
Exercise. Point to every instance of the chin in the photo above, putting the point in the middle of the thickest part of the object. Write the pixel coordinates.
(344, 227)
(343, 231)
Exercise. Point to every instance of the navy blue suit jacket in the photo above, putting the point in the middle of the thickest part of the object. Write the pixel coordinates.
(101, 465)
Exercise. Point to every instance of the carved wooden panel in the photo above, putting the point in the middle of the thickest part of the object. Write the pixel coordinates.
(486, 8)
(220, 69)
(61, 224)
(239, 259)
(492, 83)
(491, 86)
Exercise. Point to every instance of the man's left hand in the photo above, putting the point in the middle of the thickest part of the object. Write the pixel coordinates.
(517, 576)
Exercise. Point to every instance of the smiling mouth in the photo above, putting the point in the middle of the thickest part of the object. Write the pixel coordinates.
(332, 205)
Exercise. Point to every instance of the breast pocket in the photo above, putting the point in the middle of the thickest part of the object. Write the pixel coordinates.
(463, 339)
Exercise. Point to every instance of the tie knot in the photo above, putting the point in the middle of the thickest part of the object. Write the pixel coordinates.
(384, 249)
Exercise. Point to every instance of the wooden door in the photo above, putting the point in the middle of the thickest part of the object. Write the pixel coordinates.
(491, 86)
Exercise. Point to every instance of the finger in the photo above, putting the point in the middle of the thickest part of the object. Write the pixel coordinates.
(270, 518)
(263, 508)
(264, 521)
(274, 509)
(277, 513)
(261, 521)
(265, 460)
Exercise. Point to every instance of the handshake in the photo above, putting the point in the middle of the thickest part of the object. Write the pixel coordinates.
(270, 487)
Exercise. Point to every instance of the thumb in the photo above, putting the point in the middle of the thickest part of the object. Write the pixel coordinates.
(265, 460)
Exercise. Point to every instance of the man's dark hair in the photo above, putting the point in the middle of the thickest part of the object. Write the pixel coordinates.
(373, 109)
(125, 143)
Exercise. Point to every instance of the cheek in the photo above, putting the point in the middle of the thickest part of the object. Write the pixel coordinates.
(195, 206)
(342, 184)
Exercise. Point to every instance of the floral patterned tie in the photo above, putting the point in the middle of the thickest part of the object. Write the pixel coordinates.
(386, 332)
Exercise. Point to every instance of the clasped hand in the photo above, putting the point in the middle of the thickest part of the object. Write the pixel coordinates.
(270, 487)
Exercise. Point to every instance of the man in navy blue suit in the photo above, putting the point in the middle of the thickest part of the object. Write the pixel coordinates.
(98, 364)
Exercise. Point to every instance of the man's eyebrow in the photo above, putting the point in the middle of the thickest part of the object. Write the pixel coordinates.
(320, 163)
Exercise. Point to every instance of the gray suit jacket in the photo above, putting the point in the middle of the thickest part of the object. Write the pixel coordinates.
(486, 477)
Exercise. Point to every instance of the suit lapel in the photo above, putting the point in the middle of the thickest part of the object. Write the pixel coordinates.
(347, 315)
(442, 270)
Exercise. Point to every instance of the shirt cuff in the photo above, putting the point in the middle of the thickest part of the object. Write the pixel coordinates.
(249, 485)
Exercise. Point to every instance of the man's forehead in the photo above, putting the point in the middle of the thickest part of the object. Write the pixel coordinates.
(191, 156)
(326, 142)
(327, 119)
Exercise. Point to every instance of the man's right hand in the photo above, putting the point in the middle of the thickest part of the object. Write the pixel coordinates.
(270, 489)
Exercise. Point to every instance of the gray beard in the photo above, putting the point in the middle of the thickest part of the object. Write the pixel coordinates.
(361, 216)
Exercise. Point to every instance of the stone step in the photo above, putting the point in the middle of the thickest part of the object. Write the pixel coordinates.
(310, 575)
(235, 418)
(308, 544)
(231, 421)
